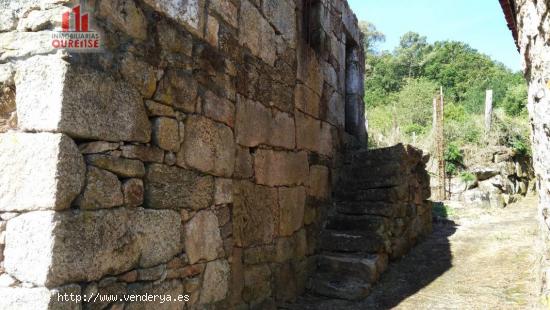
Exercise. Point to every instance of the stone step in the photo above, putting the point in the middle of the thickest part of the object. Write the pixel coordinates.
(341, 287)
(365, 223)
(372, 172)
(390, 194)
(392, 153)
(360, 267)
(372, 208)
(397, 152)
(351, 242)
(374, 183)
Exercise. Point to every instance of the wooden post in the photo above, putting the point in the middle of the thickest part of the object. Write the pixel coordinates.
(434, 122)
(440, 146)
(488, 110)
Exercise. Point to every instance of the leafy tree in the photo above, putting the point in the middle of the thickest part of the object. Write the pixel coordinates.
(400, 86)
(410, 53)
(515, 100)
(371, 36)
(414, 102)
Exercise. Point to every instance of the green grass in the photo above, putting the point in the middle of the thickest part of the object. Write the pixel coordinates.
(441, 210)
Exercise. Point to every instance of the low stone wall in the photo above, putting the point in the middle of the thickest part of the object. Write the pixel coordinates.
(398, 189)
(500, 177)
(192, 156)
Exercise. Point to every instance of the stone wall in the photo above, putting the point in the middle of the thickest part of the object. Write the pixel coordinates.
(493, 177)
(533, 23)
(193, 155)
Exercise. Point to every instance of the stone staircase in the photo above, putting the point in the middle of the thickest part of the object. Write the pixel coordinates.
(379, 211)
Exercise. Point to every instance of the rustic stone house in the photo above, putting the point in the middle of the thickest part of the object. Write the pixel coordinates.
(529, 22)
(193, 151)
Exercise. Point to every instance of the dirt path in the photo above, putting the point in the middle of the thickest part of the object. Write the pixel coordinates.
(483, 261)
(489, 266)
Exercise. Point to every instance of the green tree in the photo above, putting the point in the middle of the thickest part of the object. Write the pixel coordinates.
(410, 53)
(414, 104)
(515, 100)
(371, 37)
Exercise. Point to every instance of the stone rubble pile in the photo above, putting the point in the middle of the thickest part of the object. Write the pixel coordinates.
(500, 180)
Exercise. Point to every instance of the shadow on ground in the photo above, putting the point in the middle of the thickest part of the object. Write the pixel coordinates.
(425, 262)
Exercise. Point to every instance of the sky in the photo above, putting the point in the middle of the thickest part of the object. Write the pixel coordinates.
(480, 23)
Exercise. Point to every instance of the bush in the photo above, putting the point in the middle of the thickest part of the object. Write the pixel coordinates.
(467, 177)
(515, 100)
(453, 159)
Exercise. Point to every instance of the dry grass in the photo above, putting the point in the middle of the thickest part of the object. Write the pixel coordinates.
(8, 117)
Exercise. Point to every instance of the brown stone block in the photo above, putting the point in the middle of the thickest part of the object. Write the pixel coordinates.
(291, 209)
(276, 168)
(208, 146)
(254, 213)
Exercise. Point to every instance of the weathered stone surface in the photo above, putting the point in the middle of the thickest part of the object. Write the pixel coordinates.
(243, 163)
(176, 45)
(257, 124)
(158, 109)
(276, 168)
(212, 28)
(17, 45)
(476, 198)
(126, 168)
(39, 171)
(97, 147)
(37, 20)
(66, 100)
(188, 13)
(102, 190)
(176, 188)
(309, 70)
(126, 16)
(133, 192)
(166, 133)
(139, 74)
(174, 288)
(219, 109)
(254, 213)
(208, 146)
(313, 135)
(319, 182)
(22, 298)
(143, 153)
(6, 280)
(170, 159)
(306, 100)
(256, 33)
(151, 274)
(224, 191)
(177, 88)
(46, 247)
(281, 13)
(257, 283)
(8, 22)
(336, 110)
(202, 237)
(227, 10)
(292, 201)
(215, 282)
